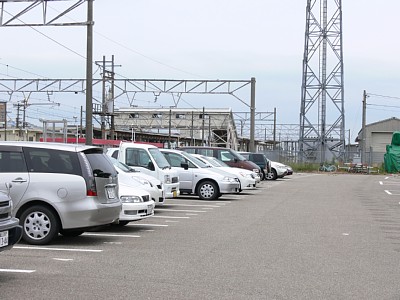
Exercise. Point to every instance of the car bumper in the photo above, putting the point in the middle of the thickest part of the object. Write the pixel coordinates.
(136, 211)
(14, 232)
(88, 213)
(248, 184)
(171, 190)
(229, 188)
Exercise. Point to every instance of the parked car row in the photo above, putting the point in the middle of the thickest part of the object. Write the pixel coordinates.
(68, 189)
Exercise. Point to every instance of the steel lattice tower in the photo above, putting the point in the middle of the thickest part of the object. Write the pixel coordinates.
(322, 130)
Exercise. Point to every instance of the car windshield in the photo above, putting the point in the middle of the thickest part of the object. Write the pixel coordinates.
(238, 156)
(218, 163)
(123, 167)
(159, 158)
(215, 162)
(195, 160)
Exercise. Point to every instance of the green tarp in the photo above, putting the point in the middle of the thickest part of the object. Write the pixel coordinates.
(392, 156)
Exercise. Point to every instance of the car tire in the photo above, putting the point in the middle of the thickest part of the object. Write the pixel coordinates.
(208, 190)
(71, 233)
(263, 177)
(122, 223)
(272, 175)
(39, 224)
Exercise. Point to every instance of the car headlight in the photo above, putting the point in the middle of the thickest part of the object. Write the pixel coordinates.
(167, 179)
(144, 181)
(131, 199)
(248, 175)
(229, 179)
(256, 170)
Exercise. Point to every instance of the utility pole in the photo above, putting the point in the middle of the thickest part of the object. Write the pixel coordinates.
(363, 125)
(89, 75)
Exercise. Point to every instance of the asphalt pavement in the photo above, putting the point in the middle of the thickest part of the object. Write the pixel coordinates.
(307, 236)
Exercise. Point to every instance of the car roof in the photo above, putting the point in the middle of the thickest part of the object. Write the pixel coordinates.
(47, 145)
(137, 145)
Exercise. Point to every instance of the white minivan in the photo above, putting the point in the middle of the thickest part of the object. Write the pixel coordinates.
(148, 159)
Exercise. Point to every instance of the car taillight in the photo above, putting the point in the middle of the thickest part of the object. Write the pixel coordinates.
(91, 193)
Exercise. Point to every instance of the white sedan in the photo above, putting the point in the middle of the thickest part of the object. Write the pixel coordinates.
(248, 179)
(136, 204)
(130, 176)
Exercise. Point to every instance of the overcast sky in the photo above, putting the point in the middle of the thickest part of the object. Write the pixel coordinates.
(212, 39)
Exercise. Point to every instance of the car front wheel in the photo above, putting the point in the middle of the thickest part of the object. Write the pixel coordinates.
(208, 190)
(272, 175)
(39, 225)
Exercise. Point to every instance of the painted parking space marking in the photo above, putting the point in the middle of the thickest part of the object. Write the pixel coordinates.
(63, 259)
(387, 192)
(150, 225)
(194, 205)
(57, 249)
(16, 271)
(181, 210)
(170, 217)
(111, 235)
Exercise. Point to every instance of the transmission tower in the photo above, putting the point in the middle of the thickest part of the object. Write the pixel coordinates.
(322, 130)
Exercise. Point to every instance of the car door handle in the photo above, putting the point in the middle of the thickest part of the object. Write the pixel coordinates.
(19, 179)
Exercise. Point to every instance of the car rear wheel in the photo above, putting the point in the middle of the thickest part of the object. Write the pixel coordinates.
(208, 190)
(39, 225)
(272, 175)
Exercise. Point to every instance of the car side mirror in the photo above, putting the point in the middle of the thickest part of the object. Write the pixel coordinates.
(150, 166)
(185, 165)
(235, 160)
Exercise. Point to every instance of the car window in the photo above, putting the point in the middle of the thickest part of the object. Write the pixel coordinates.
(206, 152)
(12, 162)
(115, 154)
(159, 158)
(100, 164)
(137, 157)
(52, 161)
(225, 155)
(176, 159)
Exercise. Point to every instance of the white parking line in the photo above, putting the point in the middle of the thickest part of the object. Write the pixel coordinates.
(112, 235)
(194, 205)
(387, 192)
(57, 249)
(181, 210)
(16, 271)
(170, 217)
(63, 259)
(151, 225)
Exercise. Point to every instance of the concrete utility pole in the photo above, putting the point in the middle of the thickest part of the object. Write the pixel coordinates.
(363, 125)
(252, 114)
(89, 75)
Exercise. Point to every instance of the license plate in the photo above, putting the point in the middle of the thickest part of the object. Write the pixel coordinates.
(149, 209)
(3, 238)
(110, 193)
(174, 194)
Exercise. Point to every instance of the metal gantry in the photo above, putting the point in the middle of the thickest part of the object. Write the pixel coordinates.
(322, 97)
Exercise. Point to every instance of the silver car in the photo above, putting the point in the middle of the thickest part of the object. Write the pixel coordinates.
(197, 178)
(59, 188)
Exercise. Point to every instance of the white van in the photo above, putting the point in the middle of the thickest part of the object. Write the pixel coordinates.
(148, 159)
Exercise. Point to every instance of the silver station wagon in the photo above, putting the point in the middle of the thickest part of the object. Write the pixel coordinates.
(59, 188)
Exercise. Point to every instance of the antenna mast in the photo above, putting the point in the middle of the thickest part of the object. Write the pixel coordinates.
(322, 130)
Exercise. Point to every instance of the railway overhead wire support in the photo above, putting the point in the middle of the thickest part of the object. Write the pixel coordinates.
(322, 96)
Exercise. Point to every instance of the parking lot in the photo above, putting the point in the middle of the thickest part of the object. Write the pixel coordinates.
(307, 236)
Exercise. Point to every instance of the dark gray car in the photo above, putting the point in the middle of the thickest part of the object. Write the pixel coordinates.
(10, 230)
